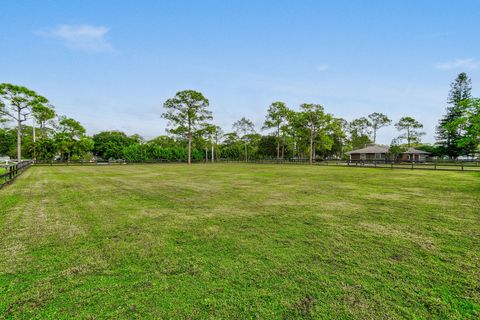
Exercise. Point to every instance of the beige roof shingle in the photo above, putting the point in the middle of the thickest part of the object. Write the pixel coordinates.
(412, 150)
(370, 149)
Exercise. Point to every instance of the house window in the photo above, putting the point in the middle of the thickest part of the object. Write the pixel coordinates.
(378, 156)
(363, 156)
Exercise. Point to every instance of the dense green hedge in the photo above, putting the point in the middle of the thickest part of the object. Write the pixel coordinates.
(151, 152)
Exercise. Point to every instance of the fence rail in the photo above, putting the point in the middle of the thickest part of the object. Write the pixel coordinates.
(460, 165)
(463, 165)
(113, 162)
(9, 172)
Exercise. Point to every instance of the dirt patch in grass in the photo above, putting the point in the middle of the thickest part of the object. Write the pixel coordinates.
(397, 232)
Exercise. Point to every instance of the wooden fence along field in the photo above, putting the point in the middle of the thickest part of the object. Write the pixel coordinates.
(9, 172)
(463, 165)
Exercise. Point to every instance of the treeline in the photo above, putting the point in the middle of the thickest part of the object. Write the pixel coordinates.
(307, 132)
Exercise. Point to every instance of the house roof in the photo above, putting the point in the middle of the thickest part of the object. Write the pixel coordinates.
(412, 150)
(370, 149)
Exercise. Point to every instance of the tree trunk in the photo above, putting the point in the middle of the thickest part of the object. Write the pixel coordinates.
(246, 153)
(311, 146)
(408, 137)
(374, 135)
(213, 153)
(19, 137)
(34, 142)
(278, 143)
(206, 154)
(189, 148)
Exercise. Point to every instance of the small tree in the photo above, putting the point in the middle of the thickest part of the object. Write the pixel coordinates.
(16, 102)
(314, 118)
(215, 139)
(469, 124)
(244, 128)
(276, 117)
(41, 113)
(187, 112)
(338, 136)
(359, 130)
(377, 121)
(205, 137)
(395, 149)
(295, 128)
(71, 139)
(410, 126)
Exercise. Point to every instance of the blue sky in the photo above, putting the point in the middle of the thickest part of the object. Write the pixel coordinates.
(112, 64)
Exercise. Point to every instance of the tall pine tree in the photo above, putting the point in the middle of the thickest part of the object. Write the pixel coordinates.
(448, 136)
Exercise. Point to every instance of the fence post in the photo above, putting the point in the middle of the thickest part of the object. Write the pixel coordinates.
(462, 165)
(435, 165)
(412, 165)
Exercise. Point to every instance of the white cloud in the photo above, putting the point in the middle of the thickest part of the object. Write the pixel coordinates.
(323, 67)
(84, 37)
(467, 63)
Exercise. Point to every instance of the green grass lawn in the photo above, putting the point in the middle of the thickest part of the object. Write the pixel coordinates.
(238, 241)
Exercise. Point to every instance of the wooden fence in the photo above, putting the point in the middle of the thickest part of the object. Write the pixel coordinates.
(9, 172)
(113, 162)
(464, 165)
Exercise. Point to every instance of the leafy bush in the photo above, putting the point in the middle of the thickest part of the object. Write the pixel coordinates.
(151, 152)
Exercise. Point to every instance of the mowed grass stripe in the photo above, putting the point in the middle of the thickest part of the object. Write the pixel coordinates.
(239, 241)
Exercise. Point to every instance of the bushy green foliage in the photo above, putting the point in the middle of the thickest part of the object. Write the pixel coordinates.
(151, 152)
(8, 139)
(110, 144)
(46, 149)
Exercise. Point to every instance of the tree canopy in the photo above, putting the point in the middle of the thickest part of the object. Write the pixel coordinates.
(378, 120)
(17, 103)
(450, 135)
(276, 118)
(187, 113)
(305, 132)
(410, 126)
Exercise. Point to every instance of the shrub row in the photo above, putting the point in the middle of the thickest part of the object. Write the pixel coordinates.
(151, 152)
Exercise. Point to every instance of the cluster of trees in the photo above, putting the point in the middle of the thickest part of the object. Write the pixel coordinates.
(308, 132)
(47, 137)
(458, 132)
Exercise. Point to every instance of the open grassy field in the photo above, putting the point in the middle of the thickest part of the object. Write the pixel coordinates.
(237, 241)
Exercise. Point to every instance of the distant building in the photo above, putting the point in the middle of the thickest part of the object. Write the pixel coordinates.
(375, 152)
(369, 153)
(414, 155)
